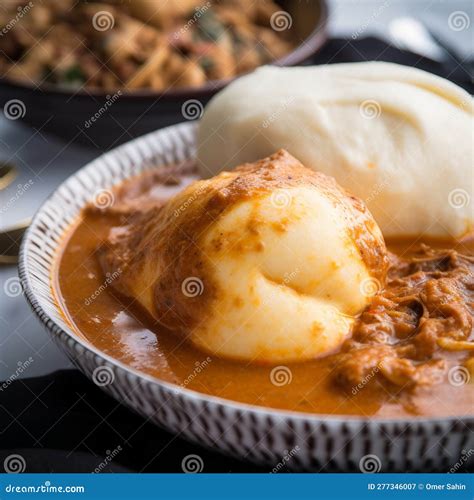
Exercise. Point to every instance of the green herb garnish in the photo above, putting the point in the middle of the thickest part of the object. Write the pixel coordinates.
(74, 76)
(209, 27)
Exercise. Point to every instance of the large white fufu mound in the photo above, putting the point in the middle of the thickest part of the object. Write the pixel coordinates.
(399, 138)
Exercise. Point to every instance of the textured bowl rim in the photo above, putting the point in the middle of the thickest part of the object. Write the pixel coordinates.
(305, 49)
(57, 330)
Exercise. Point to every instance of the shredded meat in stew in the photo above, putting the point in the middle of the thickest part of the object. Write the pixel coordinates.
(426, 308)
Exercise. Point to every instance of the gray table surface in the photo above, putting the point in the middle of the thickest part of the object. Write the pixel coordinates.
(44, 162)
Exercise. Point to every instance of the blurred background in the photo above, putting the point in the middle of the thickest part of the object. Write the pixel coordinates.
(49, 130)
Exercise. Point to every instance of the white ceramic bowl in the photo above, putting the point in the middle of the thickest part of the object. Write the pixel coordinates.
(319, 442)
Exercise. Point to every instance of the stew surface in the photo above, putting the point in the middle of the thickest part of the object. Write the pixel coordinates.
(410, 353)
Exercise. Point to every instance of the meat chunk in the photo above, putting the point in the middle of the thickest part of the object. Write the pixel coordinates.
(425, 310)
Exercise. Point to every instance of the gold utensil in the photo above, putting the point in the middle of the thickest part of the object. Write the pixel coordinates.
(10, 239)
(8, 173)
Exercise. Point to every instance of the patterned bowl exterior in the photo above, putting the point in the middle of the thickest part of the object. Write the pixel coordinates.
(317, 442)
